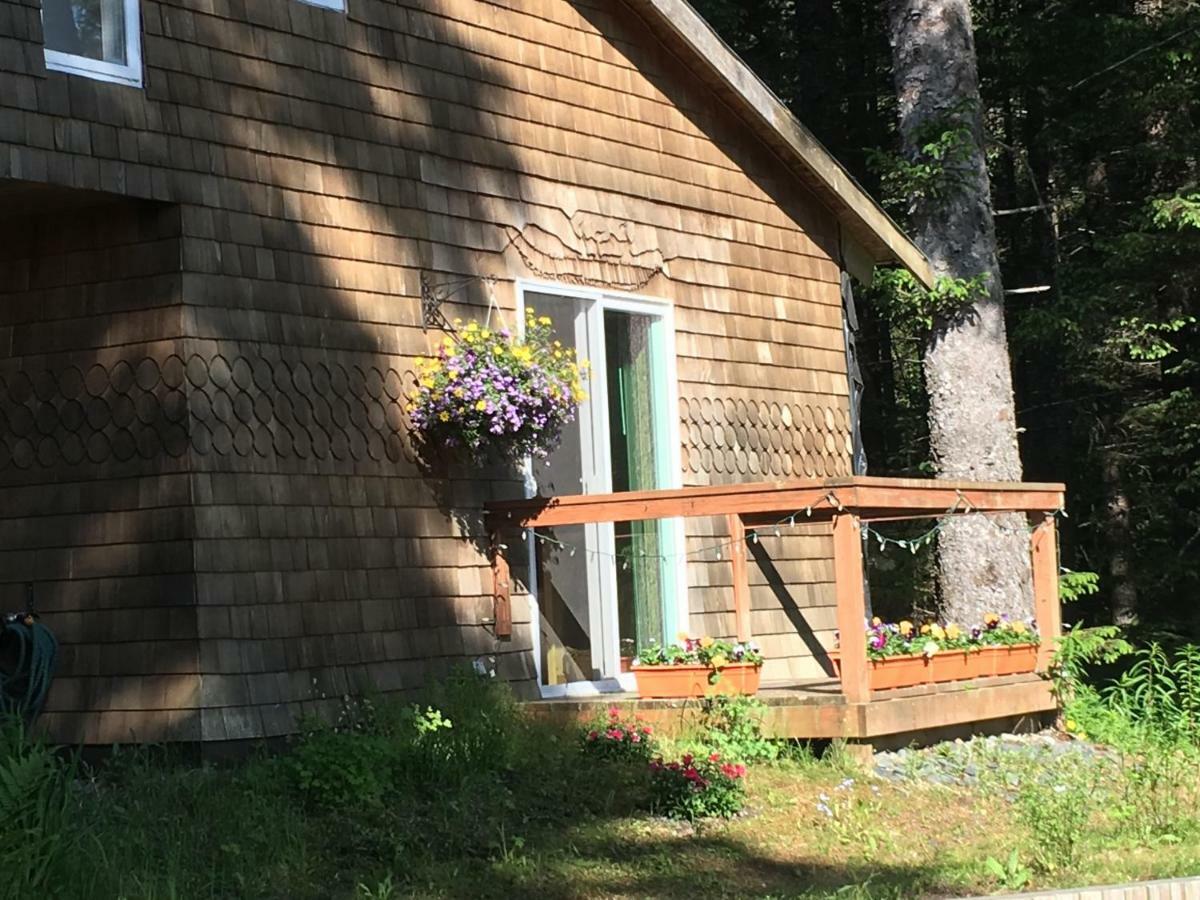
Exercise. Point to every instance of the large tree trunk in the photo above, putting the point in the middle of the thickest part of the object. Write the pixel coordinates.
(1124, 593)
(984, 563)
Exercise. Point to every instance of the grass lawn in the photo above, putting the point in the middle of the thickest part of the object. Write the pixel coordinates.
(888, 840)
(467, 797)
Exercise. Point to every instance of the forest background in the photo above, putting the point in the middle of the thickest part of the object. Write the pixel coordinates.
(1092, 119)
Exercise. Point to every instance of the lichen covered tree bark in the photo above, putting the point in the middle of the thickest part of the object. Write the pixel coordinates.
(984, 564)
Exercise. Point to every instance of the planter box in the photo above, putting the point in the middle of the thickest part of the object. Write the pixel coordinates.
(946, 666)
(693, 681)
(1016, 660)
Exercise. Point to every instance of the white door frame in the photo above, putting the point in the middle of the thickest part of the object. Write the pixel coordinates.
(664, 312)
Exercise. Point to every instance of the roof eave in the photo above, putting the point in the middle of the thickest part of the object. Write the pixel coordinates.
(682, 28)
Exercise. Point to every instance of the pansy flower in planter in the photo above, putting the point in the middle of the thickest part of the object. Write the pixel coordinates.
(495, 396)
(697, 667)
(902, 653)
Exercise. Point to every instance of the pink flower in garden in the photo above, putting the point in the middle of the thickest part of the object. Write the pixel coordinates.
(635, 737)
(592, 735)
(714, 757)
(646, 729)
(688, 759)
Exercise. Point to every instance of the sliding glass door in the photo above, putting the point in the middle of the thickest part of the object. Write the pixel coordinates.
(603, 591)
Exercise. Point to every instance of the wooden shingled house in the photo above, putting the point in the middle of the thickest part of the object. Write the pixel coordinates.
(228, 229)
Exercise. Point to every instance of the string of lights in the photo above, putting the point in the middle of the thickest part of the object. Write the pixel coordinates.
(718, 550)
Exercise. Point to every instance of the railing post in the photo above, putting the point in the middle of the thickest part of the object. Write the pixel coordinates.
(851, 607)
(741, 575)
(1046, 606)
(501, 590)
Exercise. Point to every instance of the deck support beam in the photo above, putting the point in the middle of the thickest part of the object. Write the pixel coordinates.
(1046, 607)
(851, 607)
(741, 575)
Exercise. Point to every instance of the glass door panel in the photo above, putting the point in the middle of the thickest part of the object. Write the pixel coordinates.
(609, 589)
(569, 576)
(636, 454)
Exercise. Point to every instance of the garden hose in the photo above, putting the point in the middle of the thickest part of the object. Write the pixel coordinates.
(28, 650)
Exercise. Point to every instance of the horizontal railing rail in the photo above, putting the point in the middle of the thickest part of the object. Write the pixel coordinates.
(847, 503)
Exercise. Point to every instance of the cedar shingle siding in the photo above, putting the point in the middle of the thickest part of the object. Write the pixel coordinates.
(204, 462)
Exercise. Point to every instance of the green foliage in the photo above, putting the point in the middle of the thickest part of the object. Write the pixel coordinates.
(1161, 795)
(1080, 648)
(1160, 693)
(36, 840)
(1012, 874)
(911, 302)
(618, 737)
(933, 171)
(696, 788)
(1180, 211)
(343, 769)
(732, 726)
(1073, 586)
(1056, 816)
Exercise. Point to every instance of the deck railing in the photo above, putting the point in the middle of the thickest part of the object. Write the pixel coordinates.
(847, 503)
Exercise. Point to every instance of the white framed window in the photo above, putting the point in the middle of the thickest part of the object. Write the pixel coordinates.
(96, 38)
(339, 5)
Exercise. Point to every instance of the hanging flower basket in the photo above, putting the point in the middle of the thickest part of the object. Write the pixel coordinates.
(698, 667)
(494, 396)
(904, 655)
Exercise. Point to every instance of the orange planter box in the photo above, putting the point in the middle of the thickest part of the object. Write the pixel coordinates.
(693, 681)
(948, 665)
(1016, 660)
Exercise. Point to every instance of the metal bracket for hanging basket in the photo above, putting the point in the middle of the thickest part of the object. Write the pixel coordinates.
(434, 295)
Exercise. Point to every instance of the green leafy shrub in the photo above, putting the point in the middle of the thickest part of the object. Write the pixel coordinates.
(335, 769)
(697, 788)
(620, 738)
(1056, 816)
(1160, 692)
(732, 726)
(1161, 795)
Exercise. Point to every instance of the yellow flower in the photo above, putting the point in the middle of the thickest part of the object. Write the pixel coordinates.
(991, 619)
(530, 312)
(906, 628)
(937, 632)
(544, 320)
(877, 621)
(558, 354)
(924, 629)
(481, 405)
(718, 661)
(1018, 627)
(473, 326)
(444, 416)
(458, 392)
(448, 341)
(706, 642)
(683, 637)
(953, 632)
(485, 334)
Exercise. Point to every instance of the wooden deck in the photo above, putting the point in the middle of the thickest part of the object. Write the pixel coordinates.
(848, 708)
(819, 709)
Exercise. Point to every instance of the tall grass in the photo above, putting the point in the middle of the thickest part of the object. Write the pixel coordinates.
(353, 809)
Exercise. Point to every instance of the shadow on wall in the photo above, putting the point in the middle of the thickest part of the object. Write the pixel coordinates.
(231, 525)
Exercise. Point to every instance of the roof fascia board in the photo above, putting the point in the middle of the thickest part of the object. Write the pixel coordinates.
(858, 210)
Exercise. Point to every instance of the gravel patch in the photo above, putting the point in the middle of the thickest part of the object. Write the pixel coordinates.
(1006, 759)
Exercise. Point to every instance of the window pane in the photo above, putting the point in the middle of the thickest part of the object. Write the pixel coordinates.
(91, 28)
